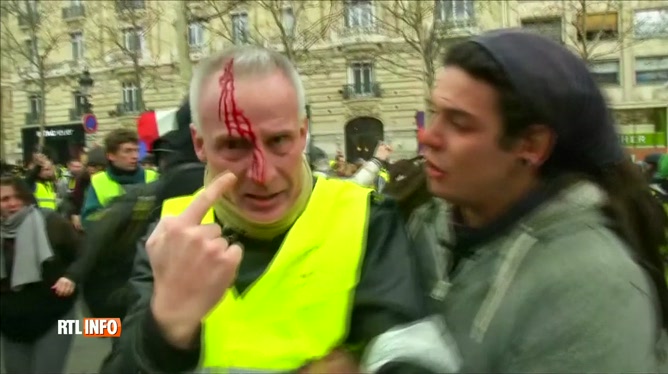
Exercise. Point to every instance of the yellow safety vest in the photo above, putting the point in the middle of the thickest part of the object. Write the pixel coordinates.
(45, 194)
(107, 189)
(299, 309)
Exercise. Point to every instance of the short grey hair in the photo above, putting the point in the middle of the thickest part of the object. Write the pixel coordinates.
(249, 61)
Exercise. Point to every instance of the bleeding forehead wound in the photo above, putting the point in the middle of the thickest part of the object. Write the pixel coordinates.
(235, 121)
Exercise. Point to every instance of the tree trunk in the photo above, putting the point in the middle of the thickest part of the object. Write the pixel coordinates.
(183, 48)
(42, 113)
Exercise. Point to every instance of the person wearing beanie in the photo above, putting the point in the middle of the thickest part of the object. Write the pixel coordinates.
(552, 238)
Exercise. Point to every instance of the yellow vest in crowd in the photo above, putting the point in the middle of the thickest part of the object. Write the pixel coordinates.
(45, 194)
(107, 189)
(298, 310)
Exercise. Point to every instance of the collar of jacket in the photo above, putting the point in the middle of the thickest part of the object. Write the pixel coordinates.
(581, 201)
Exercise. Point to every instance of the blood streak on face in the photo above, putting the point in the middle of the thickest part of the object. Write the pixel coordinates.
(236, 121)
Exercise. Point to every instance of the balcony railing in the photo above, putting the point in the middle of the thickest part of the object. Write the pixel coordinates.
(128, 108)
(32, 118)
(361, 91)
(450, 23)
(74, 12)
(350, 31)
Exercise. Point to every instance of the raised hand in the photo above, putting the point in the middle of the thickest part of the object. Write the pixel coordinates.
(193, 265)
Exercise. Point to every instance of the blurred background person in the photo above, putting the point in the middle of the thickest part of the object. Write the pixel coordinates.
(96, 161)
(123, 169)
(41, 179)
(37, 247)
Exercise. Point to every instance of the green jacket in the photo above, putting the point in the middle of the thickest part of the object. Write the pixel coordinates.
(558, 294)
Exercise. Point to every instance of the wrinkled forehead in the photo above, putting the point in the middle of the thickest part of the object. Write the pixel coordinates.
(260, 99)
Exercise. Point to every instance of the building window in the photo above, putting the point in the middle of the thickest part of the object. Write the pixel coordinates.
(196, 35)
(288, 21)
(605, 72)
(240, 28)
(652, 70)
(361, 77)
(650, 23)
(35, 101)
(77, 46)
(133, 40)
(31, 50)
(359, 14)
(549, 27)
(79, 102)
(131, 99)
(597, 26)
(458, 13)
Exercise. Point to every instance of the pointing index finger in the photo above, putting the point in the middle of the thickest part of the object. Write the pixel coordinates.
(197, 209)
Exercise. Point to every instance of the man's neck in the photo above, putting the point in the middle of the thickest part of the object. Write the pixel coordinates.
(495, 205)
(120, 171)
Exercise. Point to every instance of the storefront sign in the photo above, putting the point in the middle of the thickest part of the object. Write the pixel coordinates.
(644, 140)
(56, 133)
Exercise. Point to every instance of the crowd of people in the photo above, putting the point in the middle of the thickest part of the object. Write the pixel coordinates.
(522, 239)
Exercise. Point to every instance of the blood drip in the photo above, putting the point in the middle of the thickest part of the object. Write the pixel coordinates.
(235, 120)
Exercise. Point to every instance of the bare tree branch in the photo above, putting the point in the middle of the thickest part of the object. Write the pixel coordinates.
(593, 43)
(425, 28)
(294, 27)
(594, 29)
(125, 40)
(30, 43)
(218, 17)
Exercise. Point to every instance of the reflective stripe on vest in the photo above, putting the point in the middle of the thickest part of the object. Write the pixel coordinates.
(298, 310)
(107, 189)
(45, 194)
(384, 174)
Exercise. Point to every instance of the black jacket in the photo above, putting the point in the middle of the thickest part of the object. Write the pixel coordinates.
(106, 264)
(28, 314)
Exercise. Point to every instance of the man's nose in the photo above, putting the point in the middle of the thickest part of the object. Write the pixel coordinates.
(430, 138)
(261, 171)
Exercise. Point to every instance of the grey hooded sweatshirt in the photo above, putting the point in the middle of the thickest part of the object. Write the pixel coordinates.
(554, 290)
(560, 293)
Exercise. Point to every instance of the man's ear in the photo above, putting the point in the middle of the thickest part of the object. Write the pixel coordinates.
(536, 144)
(304, 127)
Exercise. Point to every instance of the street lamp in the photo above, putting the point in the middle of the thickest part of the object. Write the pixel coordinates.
(85, 84)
